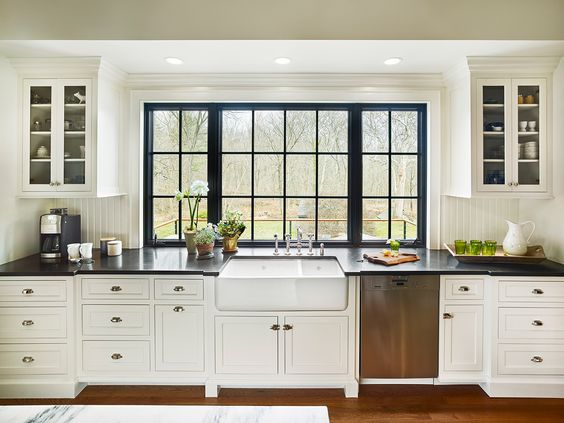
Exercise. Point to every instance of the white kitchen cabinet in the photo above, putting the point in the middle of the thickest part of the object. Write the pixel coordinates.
(463, 337)
(179, 338)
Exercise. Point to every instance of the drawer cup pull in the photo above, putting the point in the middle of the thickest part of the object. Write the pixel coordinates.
(116, 319)
(537, 323)
(537, 359)
(178, 289)
(275, 327)
(27, 323)
(537, 291)
(463, 288)
(116, 288)
(117, 356)
(27, 291)
(288, 327)
(178, 309)
(447, 316)
(28, 359)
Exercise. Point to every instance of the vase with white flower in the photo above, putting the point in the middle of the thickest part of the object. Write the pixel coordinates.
(194, 196)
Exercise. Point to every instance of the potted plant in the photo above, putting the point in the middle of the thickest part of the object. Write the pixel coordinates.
(230, 229)
(194, 196)
(205, 240)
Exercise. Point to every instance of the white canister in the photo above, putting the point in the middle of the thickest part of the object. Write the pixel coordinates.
(114, 248)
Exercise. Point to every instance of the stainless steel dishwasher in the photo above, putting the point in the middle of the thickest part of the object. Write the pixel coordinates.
(399, 326)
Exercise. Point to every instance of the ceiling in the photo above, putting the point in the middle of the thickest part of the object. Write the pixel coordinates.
(364, 56)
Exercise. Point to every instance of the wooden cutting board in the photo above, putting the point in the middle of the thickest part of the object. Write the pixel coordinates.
(380, 258)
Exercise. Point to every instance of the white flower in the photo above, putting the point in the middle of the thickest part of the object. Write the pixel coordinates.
(199, 188)
(179, 196)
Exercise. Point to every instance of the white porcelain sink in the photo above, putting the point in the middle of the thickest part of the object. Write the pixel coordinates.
(281, 284)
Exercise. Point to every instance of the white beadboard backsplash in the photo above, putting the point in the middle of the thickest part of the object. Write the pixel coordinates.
(472, 218)
(100, 217)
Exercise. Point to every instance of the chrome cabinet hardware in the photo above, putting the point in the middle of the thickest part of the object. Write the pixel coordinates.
(117, 356)
(116, 319)
(448, 316)
(178, 288)
(463, 288)
(537, 359)
(116, 288)
(275, 327)
(27, 323)
(288, 327)
(537, 291)
(28, 359)
(178, 309)
(276, 252)
(537, 323)
(27, 291)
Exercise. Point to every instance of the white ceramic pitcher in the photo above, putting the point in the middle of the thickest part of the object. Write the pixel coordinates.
(515, 242)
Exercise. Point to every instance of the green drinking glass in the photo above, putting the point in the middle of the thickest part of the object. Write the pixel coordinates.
(475, 247)
(460, 246)
(489, 248)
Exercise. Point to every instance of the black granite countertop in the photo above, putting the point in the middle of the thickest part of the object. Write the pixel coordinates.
(175, 260)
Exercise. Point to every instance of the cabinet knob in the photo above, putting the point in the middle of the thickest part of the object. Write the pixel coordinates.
(288, 327)
(537, 291)
(27, 291)
(117, 356)
(537, 323)
(447, 316)
(116, 288)
(463, 288)
(27, 323)
(116, 319)
(537, 359)
(178, 289)
(275, 327)
(28, 359)
(178, 309)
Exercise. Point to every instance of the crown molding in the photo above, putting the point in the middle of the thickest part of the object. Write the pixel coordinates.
(545, 64)
(57, 66)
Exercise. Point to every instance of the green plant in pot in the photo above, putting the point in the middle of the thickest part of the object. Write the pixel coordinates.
(194, 197)
(230, 229)
(205, 240)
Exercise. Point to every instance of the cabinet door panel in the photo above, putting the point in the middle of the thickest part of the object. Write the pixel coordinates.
(179, 332)
(246, 345)
(463, 333)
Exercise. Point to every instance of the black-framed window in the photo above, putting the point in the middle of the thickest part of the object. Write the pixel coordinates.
(351, 174)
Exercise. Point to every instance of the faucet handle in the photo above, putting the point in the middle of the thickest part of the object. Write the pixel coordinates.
(322, 249)
(276, 252)
(310, 235)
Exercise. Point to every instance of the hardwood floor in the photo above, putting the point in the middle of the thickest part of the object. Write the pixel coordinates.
(377, 403)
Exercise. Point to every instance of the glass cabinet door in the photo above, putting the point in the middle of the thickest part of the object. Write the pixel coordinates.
(40, 140)
(74, 130)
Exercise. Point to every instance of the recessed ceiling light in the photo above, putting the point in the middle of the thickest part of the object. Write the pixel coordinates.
(393, 61)
(174, 60)
(282, 60)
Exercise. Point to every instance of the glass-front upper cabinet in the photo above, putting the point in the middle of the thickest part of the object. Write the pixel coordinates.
(57, 136)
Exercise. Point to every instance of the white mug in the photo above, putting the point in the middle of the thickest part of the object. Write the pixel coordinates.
(73, 251)
(86, 250)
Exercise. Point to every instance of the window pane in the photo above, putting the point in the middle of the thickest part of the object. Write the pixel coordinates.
(300, 212)
(269, 174)
(202, 215)
(300, 130)
(269, 130)
(244, 206)
(165, 218)
(404, 175)
(333, 131)
(194, 167)
(237, 129)
(375, 175)
(268, 218)
(333, 175)
(374, 219)
(194, 130)
(236, 174)
(375, 132)
(165, 174)
(165, 130)
(332, 219)
(404, 132)
(404, 219)
(300, 174)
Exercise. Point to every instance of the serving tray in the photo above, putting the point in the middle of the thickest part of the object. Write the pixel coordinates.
(535, 254)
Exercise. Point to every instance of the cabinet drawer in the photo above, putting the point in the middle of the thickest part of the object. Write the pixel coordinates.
(33, 322)
(467, 289)
(518, 359)
(531, 323)
(33, 359)
(115, 319)
(530, 291)
(32, 290)
(185, 289)
(115, 356)
(96, 288)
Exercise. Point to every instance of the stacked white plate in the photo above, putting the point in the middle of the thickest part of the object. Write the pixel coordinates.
(529, 150)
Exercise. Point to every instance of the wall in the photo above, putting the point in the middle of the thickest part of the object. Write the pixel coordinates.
(549, 214)
(19, 228)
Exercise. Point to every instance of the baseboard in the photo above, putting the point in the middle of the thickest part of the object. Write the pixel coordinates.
(41, 389)
(523, 390)
(406, 381)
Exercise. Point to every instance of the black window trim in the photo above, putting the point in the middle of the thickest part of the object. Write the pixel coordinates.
(355, 157)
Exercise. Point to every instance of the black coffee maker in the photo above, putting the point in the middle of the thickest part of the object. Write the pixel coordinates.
(57, 230)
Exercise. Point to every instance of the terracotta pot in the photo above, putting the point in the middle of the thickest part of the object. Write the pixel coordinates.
(204, 248)
(230, 244)
(190, 244)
